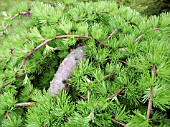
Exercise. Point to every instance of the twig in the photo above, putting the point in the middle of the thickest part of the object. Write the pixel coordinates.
(31, 52)
(79, 36)
(111, 34)
(154, 70)
(118, 92)
(131, 23)
(88, 95)
(120, 123)
(44, 43)
(25, 104)
(7, 84)
(17, 77)
(21, 13)
(137, 39)
(7, 114)
(82, 97)
(150, 103)
(122, 61)
(74, 36)
(101, 43)
(110, 75)
(151, 93)
(91, 113)
(156, 28)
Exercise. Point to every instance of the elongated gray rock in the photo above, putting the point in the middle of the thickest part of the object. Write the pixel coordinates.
(64, 71)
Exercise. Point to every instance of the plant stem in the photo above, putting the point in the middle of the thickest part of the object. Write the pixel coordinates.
(88, 95)
(111, 34)
(137, 39)
(151, 93)
(118, 92)
(8, 116)
(44, 43)
(25, 104)
(120, 123)
(150, 103)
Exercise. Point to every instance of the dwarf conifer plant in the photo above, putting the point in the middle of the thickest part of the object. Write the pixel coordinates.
(122, 81)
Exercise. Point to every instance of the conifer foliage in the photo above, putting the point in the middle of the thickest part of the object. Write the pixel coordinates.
(123, 81)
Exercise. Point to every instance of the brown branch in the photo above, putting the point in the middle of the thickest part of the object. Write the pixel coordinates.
(111, 34)
(131, 23)
(150, 103)
(8, 84)
(81, 96)
(25, 104)
(8, 116)
(80, 36)
(137, 39)
(44, 43)
(117, 93)
(17, 77)
(21, 13)
(31, 52)
(120, 123)
(151, 93)
(154, 70)
(156, 28)
(110, 75)
(101, 43)
(122, 61)
(75, 36)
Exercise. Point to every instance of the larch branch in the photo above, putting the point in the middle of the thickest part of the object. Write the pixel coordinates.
(150, 103)
(25, 104)
(118, 92)
(137, 39)
(111, 34)
(120, 123)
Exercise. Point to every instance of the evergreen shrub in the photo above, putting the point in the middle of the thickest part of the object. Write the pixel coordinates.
(123, 80)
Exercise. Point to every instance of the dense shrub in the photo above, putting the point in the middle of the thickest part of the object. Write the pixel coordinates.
(123, 81)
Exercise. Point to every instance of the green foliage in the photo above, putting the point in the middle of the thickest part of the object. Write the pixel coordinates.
(110, 87)
(149, 7)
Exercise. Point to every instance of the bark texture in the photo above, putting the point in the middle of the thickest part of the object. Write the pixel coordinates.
(63, 73)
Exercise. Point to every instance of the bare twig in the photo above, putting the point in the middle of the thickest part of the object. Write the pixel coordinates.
(8, 84)
(117, 93)
(44, 43)
(101, 43)
(156, 28)
(131, 23)
(21, 13)
(17, 77)
(88, 95)
(111, 34)
(82, 97)
(110, 75)
(150, 103)
(8, 116)
(31, 52)
(154, 70)
(137, 39)
(120, 123)
(122, 61)
(151, 93)
(74, 36)
(25, 104)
